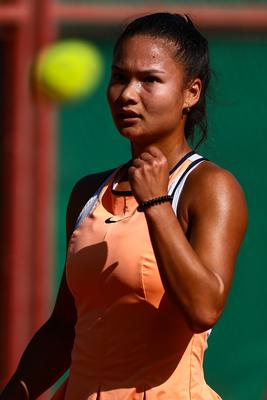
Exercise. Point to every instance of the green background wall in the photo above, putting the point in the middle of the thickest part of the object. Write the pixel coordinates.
(236, 360)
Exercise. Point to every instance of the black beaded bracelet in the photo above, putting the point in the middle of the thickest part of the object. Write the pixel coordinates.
(153, 202)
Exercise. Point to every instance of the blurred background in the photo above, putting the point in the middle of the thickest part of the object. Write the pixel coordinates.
(46, 147)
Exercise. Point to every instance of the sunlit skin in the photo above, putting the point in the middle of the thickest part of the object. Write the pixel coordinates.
(196, 252)
(147, 95)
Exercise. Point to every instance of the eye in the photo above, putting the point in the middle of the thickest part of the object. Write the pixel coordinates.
(151, 79)
(118, 77)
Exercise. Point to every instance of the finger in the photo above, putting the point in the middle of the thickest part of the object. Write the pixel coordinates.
(137, 162)
(146, 156)
(133, 173)
(155, 152)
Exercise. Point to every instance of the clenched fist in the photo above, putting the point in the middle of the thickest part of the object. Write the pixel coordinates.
(149, 175)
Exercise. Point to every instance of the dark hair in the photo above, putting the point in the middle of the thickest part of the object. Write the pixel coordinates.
(191, 50)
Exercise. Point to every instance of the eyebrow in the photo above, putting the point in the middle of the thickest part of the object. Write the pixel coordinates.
(150, 71)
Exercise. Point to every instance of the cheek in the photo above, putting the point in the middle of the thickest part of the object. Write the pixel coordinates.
(166, 101)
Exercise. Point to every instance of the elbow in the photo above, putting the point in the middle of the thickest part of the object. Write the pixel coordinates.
(201, 321)
(205, 311)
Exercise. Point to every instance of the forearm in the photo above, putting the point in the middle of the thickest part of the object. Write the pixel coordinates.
(45, 359)
(190, 283)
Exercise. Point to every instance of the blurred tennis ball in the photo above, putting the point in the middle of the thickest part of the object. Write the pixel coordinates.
(67, 70)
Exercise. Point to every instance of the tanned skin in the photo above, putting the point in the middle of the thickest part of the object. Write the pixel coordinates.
(48, 354)
(196, 252)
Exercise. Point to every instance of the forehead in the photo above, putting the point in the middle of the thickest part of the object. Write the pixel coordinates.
(143, 51)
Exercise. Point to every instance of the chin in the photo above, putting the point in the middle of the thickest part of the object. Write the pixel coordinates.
(138, 138)
(129, 132)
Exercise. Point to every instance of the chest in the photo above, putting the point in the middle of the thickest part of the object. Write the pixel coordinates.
(110, 257)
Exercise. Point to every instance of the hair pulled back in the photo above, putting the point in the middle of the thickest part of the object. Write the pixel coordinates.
(191, 50)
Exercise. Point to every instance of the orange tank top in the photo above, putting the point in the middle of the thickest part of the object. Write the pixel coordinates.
(131, 341)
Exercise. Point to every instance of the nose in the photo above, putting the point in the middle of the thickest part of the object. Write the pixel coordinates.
(130, 92)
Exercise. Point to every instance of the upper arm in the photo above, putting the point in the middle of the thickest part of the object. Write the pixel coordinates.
(217, 211)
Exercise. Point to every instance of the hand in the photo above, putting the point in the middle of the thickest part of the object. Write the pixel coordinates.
(149, 175)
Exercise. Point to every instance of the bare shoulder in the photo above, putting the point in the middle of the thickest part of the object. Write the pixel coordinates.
(212, 189)
(210, 177)
(81, 192)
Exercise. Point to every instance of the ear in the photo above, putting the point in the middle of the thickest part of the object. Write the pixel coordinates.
(192, 93)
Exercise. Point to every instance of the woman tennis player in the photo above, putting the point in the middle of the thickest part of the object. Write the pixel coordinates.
(152, 245)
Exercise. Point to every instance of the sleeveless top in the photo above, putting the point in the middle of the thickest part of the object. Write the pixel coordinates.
(131, 341)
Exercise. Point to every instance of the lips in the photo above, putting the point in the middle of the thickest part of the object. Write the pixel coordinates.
(128, 115)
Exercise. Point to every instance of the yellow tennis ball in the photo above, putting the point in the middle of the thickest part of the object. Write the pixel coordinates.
(68, 70)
